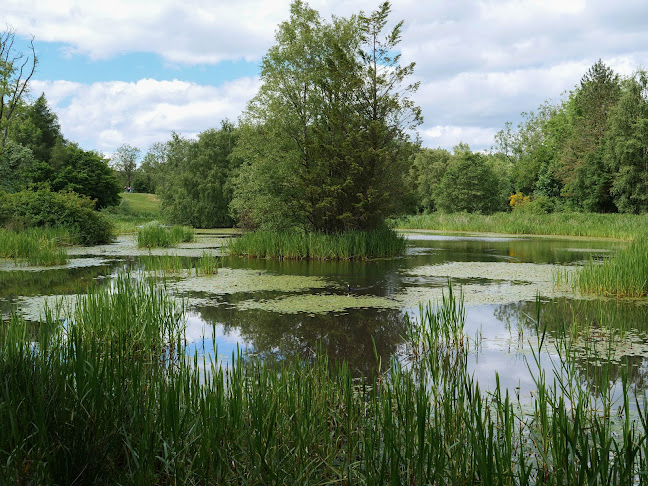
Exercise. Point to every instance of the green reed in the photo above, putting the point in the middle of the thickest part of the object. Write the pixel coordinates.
(620, 226)
(156, 235)
(35, 246)
(623, 275)
(111, 394)
(206, 264)
(298, 245)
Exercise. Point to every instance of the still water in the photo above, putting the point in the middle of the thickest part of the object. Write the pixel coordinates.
(357, 311)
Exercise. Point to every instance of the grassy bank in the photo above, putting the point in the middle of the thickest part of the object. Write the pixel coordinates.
(297, 245)
(35, 246)
(620, 226)
(155, 235)
(134, 210)
(114, 398)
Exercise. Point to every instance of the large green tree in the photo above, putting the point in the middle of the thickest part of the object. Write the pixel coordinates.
(196, 187)
(124, 161)
(627, 146)
(325, 143)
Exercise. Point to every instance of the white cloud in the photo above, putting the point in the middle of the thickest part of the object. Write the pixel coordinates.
(480, 62)
(108, 114)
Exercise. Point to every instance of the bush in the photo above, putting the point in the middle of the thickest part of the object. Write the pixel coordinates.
(44, 208)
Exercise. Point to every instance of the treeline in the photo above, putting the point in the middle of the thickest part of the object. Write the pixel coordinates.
(35, 153)
(587, 153)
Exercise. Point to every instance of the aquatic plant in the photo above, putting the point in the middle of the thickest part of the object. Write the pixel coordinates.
(35, 246)
(207, 264)
(624, 274)
(155, 235)
(112, 394)
(299, 245)
(621, 226)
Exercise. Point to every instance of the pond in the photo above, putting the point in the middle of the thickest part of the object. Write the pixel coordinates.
(357, 311)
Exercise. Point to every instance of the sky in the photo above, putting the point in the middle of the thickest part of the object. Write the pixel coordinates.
(133, 71)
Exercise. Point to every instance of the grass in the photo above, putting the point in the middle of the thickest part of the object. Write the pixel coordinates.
(622, 275)
(142, 203)
(619, 226)
(207, 264)
(134, 210)
(154, 235)
(35, 246)
(297, 245)
(114, 397)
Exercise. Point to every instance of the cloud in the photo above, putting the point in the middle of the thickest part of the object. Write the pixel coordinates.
(107, 114)
(480, 62)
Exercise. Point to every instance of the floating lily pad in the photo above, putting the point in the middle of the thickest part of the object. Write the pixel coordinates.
(319, 303)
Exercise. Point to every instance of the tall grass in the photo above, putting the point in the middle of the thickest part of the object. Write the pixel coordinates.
(155, 235)
(298, 245)
(207, 264)
(35, 246)
(623, 275)
(620, 226)
(112, 396)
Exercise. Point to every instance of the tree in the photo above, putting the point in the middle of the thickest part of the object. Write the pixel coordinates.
(16, 70)
(339, 119)
(426, 172)
(583, 172)
(124, 161)
(85, 172)
(469, 184)
(626, 152)
(199, 190)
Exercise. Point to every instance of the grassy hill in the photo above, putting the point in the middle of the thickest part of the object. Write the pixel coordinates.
(142, 203)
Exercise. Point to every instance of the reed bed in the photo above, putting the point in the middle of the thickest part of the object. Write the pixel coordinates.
(298, 245)
(35, 246)
(618, 226)
(156, 235)
(207, 264)
(111, 395)
(623, 275)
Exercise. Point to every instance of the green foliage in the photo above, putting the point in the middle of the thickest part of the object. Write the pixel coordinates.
(16, 162)
(425, 175)
(35, 246)
(627, 146)
(154, 235)
(73, 169)
(38, 130)
(116, 396)
(124, 161)
(325, 143)
(45, 208)
(300, 245)
(623, 275)
(196, 188)
(469, 184)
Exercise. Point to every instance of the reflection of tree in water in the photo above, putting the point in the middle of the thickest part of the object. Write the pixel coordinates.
(18, 283)
(578, 316)
(342, 337)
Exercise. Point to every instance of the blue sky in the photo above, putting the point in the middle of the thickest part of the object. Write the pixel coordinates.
(132, 71)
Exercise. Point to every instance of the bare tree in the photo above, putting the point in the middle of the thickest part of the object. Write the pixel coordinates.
(16, 69)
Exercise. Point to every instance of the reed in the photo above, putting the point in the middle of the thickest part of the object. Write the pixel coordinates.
(623, 275)
(35, 246)
(111, 395)
(206, 264)
(156, 235)
(298, 245)
(619, 226)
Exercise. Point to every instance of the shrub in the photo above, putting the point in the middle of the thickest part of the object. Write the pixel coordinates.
(44, 208)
